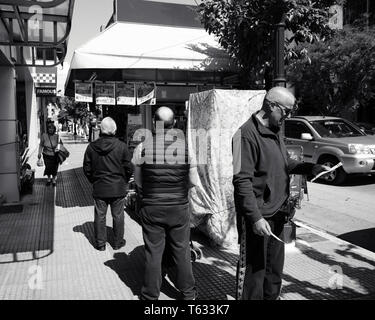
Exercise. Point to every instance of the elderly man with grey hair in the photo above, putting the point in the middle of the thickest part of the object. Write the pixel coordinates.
(107, 165)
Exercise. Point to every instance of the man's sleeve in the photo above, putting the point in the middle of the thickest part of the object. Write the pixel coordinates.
(41, 144)
(127, 163)
(244, 160)
(87, 168)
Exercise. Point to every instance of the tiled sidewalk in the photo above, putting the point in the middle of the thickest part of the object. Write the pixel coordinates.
(54, 236)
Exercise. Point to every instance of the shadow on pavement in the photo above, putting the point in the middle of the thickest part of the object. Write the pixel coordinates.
(212, 279)
(87, 229)
(347, 252)
(134, 216)
(363, 238)
(130, 269)
(73, 189)
(29, 235)
(212, 282)
(359, 275)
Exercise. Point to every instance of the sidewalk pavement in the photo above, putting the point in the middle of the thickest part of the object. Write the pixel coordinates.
(46, 252)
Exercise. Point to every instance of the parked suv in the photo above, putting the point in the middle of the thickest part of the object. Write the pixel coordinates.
(329, 140)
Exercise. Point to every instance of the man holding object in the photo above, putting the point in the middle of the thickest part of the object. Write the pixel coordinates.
(261, 187)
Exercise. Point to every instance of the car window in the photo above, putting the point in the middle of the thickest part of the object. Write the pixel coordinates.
(335, 129)
(294, 129)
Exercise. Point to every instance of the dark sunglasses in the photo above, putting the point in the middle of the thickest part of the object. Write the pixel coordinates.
(285, 112)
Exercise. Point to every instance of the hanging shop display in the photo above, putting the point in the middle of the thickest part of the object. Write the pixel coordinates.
(105, 93)
(83, 92)
(125, 94)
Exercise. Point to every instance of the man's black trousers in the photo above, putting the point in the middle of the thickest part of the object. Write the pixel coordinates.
(167, 226)
(117, 211)
(261, 279)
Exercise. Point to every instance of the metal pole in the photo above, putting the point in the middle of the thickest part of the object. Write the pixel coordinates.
(367, 14)
(280, 79)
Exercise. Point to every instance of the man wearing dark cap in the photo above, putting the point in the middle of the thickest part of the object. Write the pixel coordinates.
(261, 188)
(163, 172)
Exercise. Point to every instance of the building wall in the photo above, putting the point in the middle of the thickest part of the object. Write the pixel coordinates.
(154, 12)
(9, 157)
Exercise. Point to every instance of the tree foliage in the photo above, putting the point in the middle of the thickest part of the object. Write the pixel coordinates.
(72, 110)
(245, 29)
(339, 74)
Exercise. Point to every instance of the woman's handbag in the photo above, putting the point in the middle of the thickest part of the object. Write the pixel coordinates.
(40, 162)
(62, 153)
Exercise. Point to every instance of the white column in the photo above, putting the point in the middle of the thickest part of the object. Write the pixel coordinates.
(33, 127)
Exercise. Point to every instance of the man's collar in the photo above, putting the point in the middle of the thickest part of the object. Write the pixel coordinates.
(262, 128)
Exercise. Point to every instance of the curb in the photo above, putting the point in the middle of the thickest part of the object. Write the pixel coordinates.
(359, 250)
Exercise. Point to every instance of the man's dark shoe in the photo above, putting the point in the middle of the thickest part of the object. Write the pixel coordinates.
(100, 248)
(120, 245)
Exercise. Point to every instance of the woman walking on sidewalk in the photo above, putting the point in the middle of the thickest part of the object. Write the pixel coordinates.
(49, 146)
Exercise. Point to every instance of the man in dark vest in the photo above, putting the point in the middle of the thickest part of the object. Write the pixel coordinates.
(163, 172)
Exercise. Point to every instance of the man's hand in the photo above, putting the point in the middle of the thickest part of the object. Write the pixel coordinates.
(318, 168)
(262, 228)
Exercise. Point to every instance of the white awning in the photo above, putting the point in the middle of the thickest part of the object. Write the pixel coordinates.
(131, 45)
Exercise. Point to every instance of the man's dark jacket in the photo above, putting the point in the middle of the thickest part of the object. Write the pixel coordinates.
(107, 165)
(261, 171)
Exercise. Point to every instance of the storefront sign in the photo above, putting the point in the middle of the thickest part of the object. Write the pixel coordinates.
(146, 94)
(45, 92)
(105, 93)
(83, 92)
(125, 93)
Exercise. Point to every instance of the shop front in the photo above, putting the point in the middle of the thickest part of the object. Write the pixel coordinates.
(165, 59)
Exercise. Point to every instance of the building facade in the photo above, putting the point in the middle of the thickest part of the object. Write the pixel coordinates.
(33, 38)
(151, 43)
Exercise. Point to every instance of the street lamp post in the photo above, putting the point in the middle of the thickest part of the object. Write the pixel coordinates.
(280, 79)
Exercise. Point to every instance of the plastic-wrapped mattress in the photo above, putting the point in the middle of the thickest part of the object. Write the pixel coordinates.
(213, 118)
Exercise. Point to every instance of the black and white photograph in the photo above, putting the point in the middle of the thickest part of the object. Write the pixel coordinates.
(169, 150)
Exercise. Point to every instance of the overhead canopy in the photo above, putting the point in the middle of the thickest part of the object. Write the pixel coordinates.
(138, 46)
(35, 31)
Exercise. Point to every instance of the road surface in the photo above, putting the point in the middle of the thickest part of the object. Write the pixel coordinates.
(346, 211)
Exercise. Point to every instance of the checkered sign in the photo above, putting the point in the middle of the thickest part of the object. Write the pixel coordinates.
(45, 78)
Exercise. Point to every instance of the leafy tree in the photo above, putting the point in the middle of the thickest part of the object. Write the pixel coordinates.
(71, 110)
(217, 58)
(339, 74)
(245, 29)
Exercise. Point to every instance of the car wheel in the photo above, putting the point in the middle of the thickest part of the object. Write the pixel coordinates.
(336, 177)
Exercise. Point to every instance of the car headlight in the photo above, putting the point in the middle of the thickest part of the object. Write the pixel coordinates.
(359, 149)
